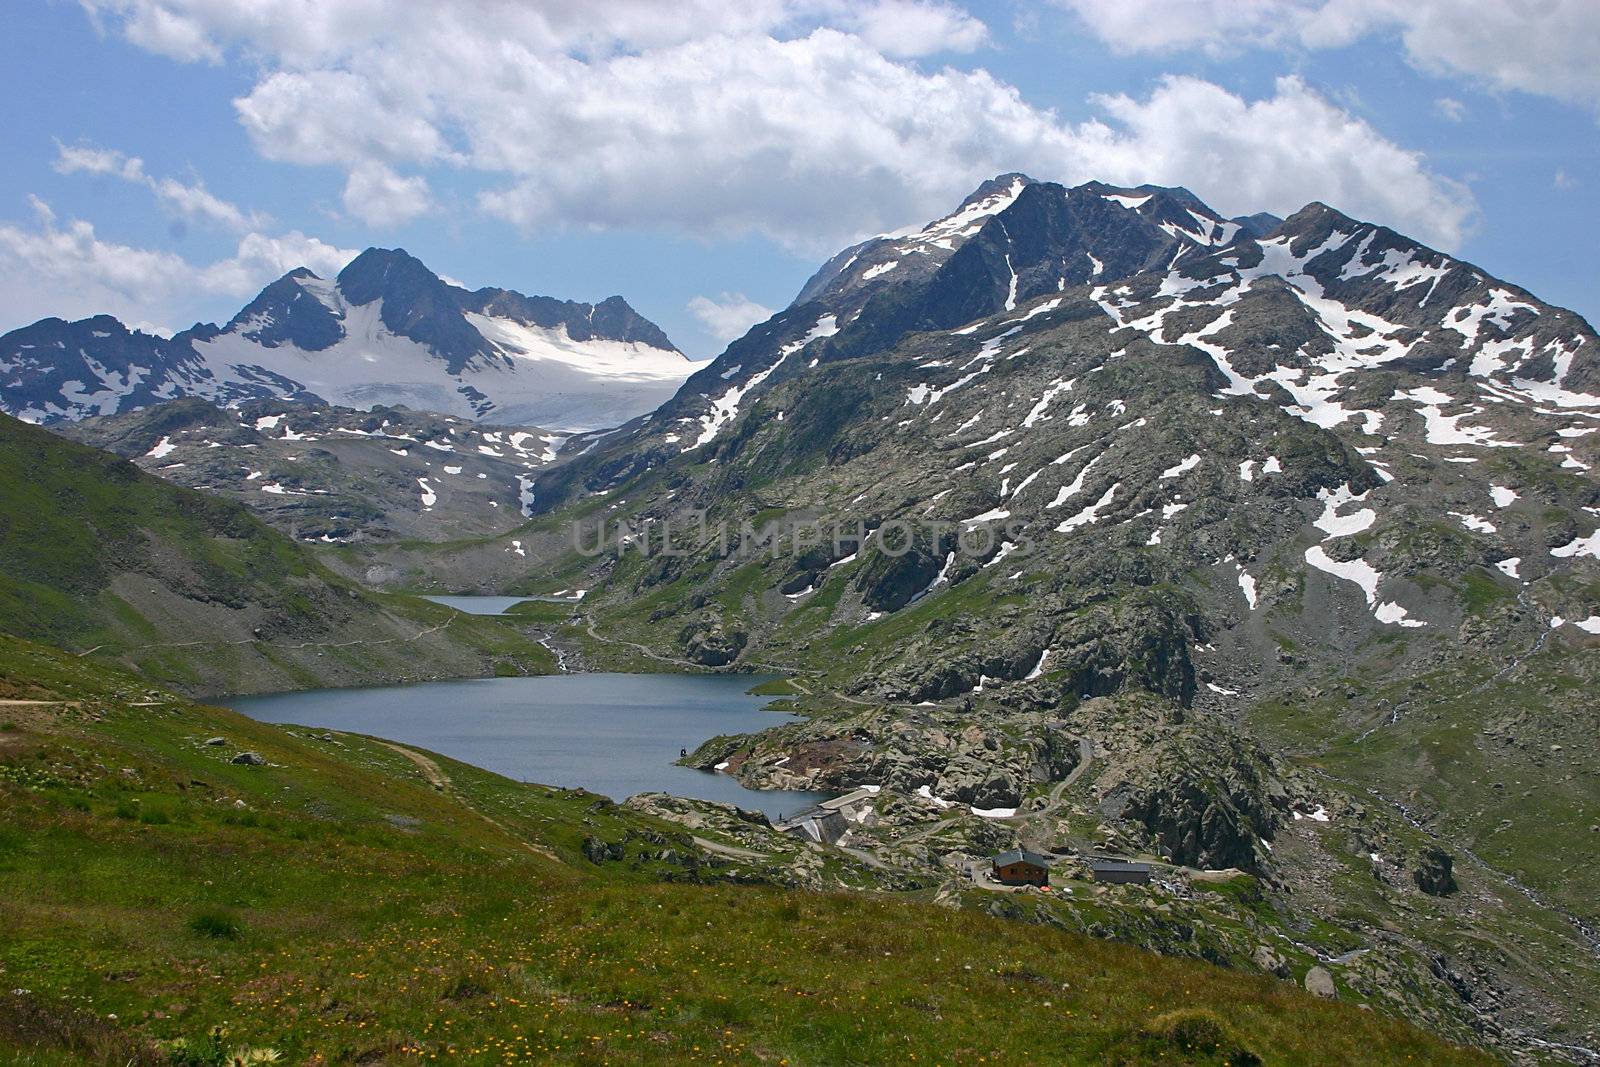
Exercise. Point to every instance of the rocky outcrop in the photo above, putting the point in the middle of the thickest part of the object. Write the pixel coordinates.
(905, 750)
(710, 645)
(1434, 874)
(1206, 794)
(1140, 643)
(974, 781)
(890, 582)
(1271, 961)
(597, 851)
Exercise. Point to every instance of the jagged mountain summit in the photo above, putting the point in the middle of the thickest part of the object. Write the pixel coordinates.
(1087, 366)
(386, 331)
(1306, 309)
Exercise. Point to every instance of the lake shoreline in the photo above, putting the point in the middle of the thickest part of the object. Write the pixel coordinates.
(614, 734)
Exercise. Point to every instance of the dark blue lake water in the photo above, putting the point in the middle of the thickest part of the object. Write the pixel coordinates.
(614, 734)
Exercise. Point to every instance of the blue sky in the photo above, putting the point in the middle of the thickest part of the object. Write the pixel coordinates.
(167, 158)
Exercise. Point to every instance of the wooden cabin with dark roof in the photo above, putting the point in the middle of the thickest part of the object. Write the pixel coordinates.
(1021, 867)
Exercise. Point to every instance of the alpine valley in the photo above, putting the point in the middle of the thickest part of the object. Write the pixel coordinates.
(1081, 520)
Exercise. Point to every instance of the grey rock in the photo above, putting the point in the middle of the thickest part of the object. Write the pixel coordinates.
(709, 645)
(1320, 983)
(597, 851)
(249, 759)
(1434, 875)
(1270, 961)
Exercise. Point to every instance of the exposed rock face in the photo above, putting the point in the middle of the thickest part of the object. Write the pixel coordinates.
(973, 781)
(1434, 874)
(1270, 961)
(1206, 794)
(336, 474)
(890, 582)
(597, 851)
(710, 645)
(1143, 645)
(1196, 827)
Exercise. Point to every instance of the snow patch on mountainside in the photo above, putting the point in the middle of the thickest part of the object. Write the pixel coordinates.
(546, 378)
(725, 409)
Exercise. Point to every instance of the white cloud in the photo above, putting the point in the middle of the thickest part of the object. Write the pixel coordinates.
(348, 118)
(191, 200)
(906, 28)
(1217, 27)
(260, 259)
(87, 159)
(379, 197)
(728, 316)
(195, 201)
(70, 271)
(789, 118)
(1563, 180)
(1275, 155)
(1450, 108)
(1546, 48)
(309, 33)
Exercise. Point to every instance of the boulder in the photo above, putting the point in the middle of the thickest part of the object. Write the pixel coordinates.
(597, 851)
(1434, 874)
(1270, 961)
(1320, 983)
(214, 741)
(249, 759)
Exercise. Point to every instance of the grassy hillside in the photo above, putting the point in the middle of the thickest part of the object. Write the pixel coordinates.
(351, 901)
(198, 593)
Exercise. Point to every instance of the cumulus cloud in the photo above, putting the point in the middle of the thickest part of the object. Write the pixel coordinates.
(345, 117)
(728, 316)
(308, 33)
(190, 200)
(1274, 154)
(69, 270)
(379, 197)
(905, 28)
(802, 120)
(1546, 48)
(1450, 108)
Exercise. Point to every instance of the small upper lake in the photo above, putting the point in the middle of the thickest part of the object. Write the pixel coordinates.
(494, 605)
(614, 734)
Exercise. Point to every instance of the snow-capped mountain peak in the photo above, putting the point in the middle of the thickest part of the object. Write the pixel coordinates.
(1334, 321)
(387, 330)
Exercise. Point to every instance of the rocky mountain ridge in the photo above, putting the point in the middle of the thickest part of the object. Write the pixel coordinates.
(386, 331)
(333, 475)
(1144, 250)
